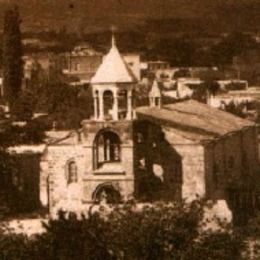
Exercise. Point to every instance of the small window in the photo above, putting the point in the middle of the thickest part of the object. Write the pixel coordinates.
(140, 138)
(72, 172)
(157, 101)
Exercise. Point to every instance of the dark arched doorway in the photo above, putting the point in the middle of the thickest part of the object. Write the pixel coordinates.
(107, 193)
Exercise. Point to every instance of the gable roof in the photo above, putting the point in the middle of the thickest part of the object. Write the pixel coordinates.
(194, 120)
(113, 69)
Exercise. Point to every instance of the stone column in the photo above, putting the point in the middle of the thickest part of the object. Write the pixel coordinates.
(129, 105)
(101, 105)
(115, 107)
(95, 107)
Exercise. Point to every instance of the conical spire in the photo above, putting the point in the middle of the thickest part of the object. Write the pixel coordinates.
(113, 69)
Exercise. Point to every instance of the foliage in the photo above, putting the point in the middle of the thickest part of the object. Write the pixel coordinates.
(235, 109)
(30, 133)
(162, 231)
(129, 231)
(252, 233)
(66, 105)
(233, 45)
(24, 106)
(14, 247)
(12, 56)
(178, 51)
(11, 135)
(217, 245)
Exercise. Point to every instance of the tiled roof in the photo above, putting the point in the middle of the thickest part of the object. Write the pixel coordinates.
(113, 69)
(194, 120)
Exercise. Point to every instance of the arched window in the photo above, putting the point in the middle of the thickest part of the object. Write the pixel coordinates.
(72, 172)
(106, 148)
(108, 103)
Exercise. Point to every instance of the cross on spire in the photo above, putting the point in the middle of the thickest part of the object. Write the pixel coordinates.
(113, 39)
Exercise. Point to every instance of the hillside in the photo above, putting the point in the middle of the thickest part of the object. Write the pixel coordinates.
(95, 15)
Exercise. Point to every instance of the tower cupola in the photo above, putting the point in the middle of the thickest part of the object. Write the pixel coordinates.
(112, 87)
(155, 96)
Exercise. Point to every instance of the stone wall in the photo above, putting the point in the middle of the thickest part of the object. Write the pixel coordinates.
(229, 158)
(230, 165)
(193, 171)
(57, 182)
(186, 168)
(54, 163)
(181, 161)
(250, 144)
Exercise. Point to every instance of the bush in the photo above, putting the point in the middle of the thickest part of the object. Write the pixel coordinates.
(216, 245)
(161, 231)
(14, 247)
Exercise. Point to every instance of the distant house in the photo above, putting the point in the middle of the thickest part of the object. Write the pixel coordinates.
(45, 62)
(157, 65)
(134, 63)
(82, 63)
(187, 86)
(247, 100)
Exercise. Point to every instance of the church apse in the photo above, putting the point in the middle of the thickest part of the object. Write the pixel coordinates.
(158, 166)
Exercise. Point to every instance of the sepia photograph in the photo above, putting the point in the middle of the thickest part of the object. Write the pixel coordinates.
(129, 129)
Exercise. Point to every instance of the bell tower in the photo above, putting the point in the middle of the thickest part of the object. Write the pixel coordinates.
(155, 96)
(112, 87)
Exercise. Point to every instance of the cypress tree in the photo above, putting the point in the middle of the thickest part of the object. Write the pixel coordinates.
(12, 56)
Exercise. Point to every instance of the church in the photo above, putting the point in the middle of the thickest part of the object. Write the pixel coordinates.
(179, 151)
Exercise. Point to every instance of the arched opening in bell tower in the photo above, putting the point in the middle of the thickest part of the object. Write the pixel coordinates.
(108, 104)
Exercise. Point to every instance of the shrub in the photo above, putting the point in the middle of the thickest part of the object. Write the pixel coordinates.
(129, 231)
(216, 245)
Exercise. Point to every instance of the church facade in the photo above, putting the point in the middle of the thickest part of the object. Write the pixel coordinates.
(160, 152)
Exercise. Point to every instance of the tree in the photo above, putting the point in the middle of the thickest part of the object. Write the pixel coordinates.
(12, 56)
(233, 45)
(65, 104)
